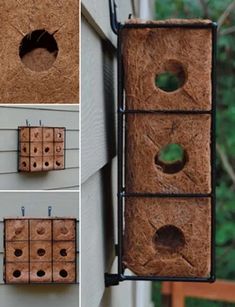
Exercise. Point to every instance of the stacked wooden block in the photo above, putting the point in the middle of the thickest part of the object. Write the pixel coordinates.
(40, 250)
(168, 236)
(41, 149)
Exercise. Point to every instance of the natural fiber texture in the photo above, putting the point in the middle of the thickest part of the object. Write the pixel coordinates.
(149, 52)
(147, 134)
(184, 251)
(60, 83)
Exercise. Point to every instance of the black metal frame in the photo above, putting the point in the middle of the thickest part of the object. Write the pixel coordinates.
(114, 279)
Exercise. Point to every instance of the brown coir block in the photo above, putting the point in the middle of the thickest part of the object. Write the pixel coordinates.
(48, 163)
(59, 135)
(148, 134)
(40, 230)
(35, 149)
(48, 149)
(64, 272)
(168, 237)
(59, 149)
(24, 134)
(17, 273)
(40, 272)
(17, 251)
(48, 134)
(36, 164)
(24, 149)
(24, 164)
(49, 73)
(36, 134)
(64, 230)
(40, 251)
(184, 52)
(16, 230)
(59, 162)
(64, 251)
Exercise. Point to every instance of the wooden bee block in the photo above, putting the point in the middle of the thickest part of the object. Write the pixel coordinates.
(40, 251)
(168, 237)
(64, 251)
(40, 230)
(36, 164)
(36, 149)
(24, 164)
(147, 134)
(184, 52)
(36, 134)
(17, 251)
(64, 230)
(64, 272)
(48, 134)
(59, 135)
(24, 149)
(16, 230)
(40, 272)
(41, 75)
(17, 273)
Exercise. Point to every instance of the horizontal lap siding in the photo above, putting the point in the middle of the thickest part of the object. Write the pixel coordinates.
(10, 119)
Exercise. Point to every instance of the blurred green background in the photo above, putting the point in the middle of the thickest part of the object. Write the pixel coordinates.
(222, 11)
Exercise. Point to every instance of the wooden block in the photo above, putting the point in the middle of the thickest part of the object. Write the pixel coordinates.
(16, 230)
(24, 164)
(24, 134)
(49, 71)
(17, 251)
(59, 149)
(64, 251)
(40, 230)
(64, 272)
(35, 149)
(36, 134)
(59, 135)
(64, 230)
(168, 236)
(48, 163)
(40, 272)
(40, 251)
(24, 149)
(48, 134)
(17, 273)
(35, 164)
(185, 53)
(58, 162)
(48, 149)
(148, 134)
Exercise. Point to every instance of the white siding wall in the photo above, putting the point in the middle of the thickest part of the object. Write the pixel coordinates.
(64, 204)
(98, 211)
(13, 116)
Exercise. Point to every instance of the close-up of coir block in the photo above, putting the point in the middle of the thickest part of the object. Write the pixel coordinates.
(168, 161)
(40, 250)
(41, 149)
(39, 51)
(152, 54)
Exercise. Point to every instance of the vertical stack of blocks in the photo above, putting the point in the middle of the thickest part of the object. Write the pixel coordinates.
(41, 149)
(40, 251)
(167, 234)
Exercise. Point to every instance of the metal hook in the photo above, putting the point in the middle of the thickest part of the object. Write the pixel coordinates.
(27, 122)
(40, 123)
(113, 16)
(49, 210)
(23, 211)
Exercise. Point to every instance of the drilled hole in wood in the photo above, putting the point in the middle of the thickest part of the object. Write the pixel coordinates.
(41, 252)
(171, 158)
(64, 230)
(170, 238)
(18, 252)
(34, 164)
(63, 273)
(172, 78)
(41, 273)
(63, 252)
(38, 50)
(16, 273)
(46, 163)
(41, 231)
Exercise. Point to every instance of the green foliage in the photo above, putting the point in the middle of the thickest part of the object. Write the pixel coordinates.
(171, 153)
(225, 236)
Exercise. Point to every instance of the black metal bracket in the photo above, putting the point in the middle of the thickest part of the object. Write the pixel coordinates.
(113, 16)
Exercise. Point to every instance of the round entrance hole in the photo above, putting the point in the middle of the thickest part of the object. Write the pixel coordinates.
(57, 163)
(24, 164)
(38, 50)
(47, 149)
(18, 252)
(41, 231)
(170, 238)
(41, 252)
(171, 158)
(16, 273)
(41, 273)
(64, 230)
(172, 77)
(63, 252)
(35, 149)
(34, 164)
(63, 273)
(18, 231)
(46, 163)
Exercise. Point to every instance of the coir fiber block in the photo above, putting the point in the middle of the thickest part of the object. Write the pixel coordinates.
(64, 251)
(147, 135)
(41, 272)
(64, 230)
(39, 51)
(168, 237)
(40, 251)
(40, 230)
(17, 273)
(16, 230)
(64, 272)
(17, 251)
(152, 53)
